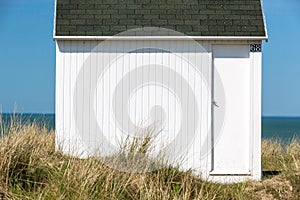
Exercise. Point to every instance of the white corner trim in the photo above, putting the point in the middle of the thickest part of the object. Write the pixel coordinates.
(256, 64)
(160, 38)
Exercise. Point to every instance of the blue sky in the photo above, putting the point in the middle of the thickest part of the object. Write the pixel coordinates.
(27, 55)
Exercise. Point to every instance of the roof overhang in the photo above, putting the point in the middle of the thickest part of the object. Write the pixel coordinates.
(161, 38)
(198, 38)
(265, 21)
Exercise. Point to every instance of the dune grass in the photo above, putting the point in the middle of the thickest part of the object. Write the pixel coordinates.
(30, 168)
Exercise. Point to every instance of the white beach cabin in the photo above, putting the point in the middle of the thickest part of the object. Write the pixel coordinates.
(186, 74)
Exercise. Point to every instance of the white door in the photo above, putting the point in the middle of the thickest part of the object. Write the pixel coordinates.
(231, 110)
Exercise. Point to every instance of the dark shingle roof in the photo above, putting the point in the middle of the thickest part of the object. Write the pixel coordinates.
(191, 17)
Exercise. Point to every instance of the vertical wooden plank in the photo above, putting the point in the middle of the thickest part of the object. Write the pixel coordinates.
(206, 136)
(79, 89)
(105, 82)
(178, 66)
(115, 74)
(135, 77)
(99, 95)
(73, 78)
(173, 109)
(200, 91)
(93, 83)
(159, 90)
(185, 98)
(125, 72)
(86, 91)
(209, 64)
(193, 75)
(67, 91)
(76, 107)
(59, 99)
(146, 76)
(166, 93)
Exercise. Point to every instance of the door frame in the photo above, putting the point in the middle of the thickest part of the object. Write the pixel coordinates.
(255, 112)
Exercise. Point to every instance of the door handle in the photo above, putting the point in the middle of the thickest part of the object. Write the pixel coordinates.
(215, 103)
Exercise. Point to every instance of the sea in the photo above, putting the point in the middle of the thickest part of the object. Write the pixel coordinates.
(283, 129)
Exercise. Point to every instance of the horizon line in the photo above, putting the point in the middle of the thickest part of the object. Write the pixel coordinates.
(37, 113)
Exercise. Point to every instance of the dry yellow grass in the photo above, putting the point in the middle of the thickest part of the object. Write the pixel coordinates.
(30, 168)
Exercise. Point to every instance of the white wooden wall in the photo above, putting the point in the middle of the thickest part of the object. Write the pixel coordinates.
(106, 91)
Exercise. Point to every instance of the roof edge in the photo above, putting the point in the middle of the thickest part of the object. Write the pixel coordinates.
(160, 38)
(264, 19)
(54, 19)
